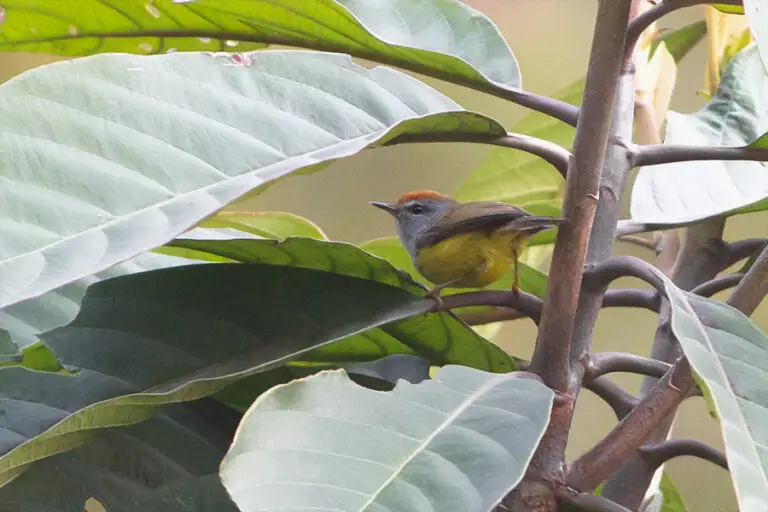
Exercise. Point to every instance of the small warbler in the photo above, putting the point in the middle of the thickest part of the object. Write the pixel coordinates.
(463, 245)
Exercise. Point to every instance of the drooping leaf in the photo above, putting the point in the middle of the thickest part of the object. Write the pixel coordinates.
(531, 280)
(276, 225)
(458, 443)
(680, 41)
(150, 146)
(443, 339)
(684, 192)
(178, 334)
(444, 38)
(166, 464)
(730, 355)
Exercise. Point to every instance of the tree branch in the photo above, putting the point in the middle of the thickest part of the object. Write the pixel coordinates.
(598, 276)
(639, 241)
(496, 314)
(632, 298)
(614, 395)
(589, 470)
(657, 454)
(641, 22)
(657, 154)
(557, 156)
(590, 502)
(609, 362)
(753, 287)
(552, 357)
(718, 284)
(525, 303)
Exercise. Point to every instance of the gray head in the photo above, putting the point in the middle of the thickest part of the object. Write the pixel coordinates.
(415, 213)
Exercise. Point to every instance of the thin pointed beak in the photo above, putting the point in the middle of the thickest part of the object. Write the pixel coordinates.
(389, 208)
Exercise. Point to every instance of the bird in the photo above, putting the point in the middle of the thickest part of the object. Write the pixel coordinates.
(463, 245)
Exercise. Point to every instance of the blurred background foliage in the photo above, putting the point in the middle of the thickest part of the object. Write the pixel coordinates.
(551, 40)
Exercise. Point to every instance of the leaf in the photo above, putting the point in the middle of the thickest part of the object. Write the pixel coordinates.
(685, 192)
(150, 146)
(444, 38)
(680, 41)
(179, 334)
(729, 9)
(442, 338)
(460, 442)
(730, 356)
(277, 225)
(758, 24)
(389, 248)
(166, 464)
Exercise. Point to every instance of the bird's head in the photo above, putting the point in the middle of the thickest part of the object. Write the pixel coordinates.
(415, 212)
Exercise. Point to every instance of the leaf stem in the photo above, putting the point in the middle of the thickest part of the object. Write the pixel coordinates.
(589, 470)
(753, 287)
(657, 454)
(556, 155)
(657, 154)
(599, 275)
(621, 401)
(610, 362)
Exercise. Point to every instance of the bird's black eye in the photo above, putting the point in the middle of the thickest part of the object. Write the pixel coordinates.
(416, 209)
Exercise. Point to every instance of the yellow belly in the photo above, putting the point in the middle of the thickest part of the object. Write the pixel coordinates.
(477, 259)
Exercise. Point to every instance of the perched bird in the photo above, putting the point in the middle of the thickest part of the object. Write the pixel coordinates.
(463, 245)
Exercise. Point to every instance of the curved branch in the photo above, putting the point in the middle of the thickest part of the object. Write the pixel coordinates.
(718, 284)
(632, 298)
(657, 454)
(599, 276)
(527, 304)
(744, 249)
(753, 287)
(641, 22)
(556, 155)
(614, 395)
(657, 154)
(639, 241)
(609, 362)
(497, 314)
(590, 502)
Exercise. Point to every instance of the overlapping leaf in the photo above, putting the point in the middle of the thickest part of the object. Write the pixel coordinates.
(730, 355)
(152, 338)
(458, 443)
(440, 37)
(684, 192)
(113, 155)
(442, 337)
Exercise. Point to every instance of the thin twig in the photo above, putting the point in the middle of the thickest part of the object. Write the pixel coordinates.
(525, 303)
(718, 284)
(600, 275)
(744, 249)
(641, 22)
(657, 454)
(590, 502)
(753, 287)
(605, 457)
(556, 155)
(639, 241)
(657, 154)
(609, 362)
(614, 395)
(632, 298)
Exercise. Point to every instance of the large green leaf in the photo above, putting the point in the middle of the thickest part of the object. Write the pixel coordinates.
(442, 338)
(277, 225)
(758, 25)
(459, 443)
(177, 334)
(684, 192)
(166, 464)
(680, 41)
(730, 356)
(113, 155)
(440, 37)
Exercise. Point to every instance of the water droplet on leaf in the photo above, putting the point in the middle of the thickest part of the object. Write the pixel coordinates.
(153, 10)
(73, 30)
(232, 44)
(145, 47)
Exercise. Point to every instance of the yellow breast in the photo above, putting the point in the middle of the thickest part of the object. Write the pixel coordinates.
(478, 259)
